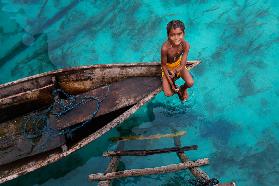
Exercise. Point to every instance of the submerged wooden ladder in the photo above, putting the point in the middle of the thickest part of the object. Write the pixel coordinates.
(112, 173)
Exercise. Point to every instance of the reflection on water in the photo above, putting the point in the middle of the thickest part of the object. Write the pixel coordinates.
(233, 107)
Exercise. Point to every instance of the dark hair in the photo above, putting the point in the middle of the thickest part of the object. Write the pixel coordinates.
(175, 24)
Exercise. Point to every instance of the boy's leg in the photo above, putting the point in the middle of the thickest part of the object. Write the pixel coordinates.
(189, 82)
(166, 87)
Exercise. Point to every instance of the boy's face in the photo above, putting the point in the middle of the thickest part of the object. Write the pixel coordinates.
(176, 36)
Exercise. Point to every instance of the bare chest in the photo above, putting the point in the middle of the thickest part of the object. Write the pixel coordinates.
(174, 53)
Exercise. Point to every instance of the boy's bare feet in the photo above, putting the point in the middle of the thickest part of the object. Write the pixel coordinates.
(180, 94)
(183, 93)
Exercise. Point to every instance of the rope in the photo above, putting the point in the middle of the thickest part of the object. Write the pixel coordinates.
(37, 124)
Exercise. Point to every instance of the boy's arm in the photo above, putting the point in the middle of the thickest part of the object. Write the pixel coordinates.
(186, 48)
(164, 67)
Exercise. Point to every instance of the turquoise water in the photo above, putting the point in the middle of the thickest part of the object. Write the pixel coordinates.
(232, 113)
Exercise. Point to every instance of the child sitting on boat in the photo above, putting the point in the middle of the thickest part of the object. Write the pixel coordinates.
(174, 54)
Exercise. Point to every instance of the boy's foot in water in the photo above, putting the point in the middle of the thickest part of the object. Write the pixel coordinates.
(180, 95)
(183, 93)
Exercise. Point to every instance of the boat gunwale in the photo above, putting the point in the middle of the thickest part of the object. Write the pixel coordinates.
(85, 67)
(29, 92)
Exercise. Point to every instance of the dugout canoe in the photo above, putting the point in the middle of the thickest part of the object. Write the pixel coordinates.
(35, 130)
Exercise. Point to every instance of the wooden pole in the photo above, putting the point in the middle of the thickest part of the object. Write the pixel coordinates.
(112, 167)
(196, 171)
(156, 136)
(147, 171)
(149, 152)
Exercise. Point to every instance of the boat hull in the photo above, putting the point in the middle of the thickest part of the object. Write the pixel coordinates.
(124, 87)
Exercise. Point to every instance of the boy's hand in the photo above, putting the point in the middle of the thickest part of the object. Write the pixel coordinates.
(174, 87)
(171, 80)
(171, 74)
(180, 68)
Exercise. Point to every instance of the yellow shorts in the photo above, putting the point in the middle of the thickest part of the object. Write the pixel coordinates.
(172, 66)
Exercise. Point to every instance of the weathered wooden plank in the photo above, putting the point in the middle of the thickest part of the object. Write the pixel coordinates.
(149, 152)
(147, 171)
(22, 103)
(112, 167)
(82, 81)
(24, 85)
(196, 171)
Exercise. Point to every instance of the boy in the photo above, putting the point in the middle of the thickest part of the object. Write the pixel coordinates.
(174, 54)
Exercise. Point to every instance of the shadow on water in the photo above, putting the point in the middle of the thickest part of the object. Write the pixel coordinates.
(129, 126)
(260, 166)
(219, 131)
(246, 85)
(28, 67)
(36, 32)
(244, 18)
(53, 44)
(151, 123)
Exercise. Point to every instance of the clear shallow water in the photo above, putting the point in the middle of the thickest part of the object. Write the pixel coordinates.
(232, 114)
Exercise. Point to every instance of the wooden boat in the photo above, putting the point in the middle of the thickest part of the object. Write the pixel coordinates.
(48, 116)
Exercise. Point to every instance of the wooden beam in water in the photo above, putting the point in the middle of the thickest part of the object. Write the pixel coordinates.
(147, 171)
(196, 171)
(156, 136)
(112, 167)
(150, 152)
